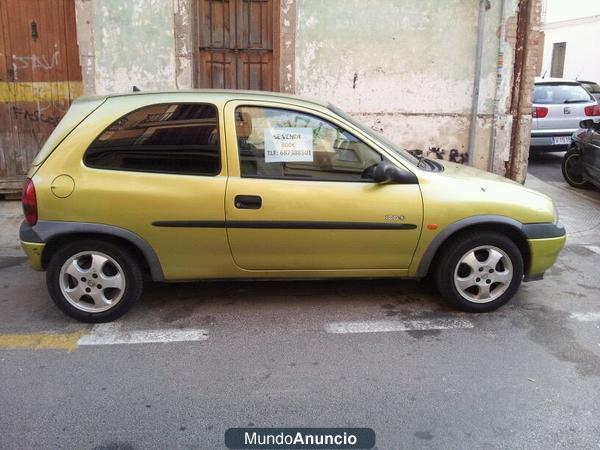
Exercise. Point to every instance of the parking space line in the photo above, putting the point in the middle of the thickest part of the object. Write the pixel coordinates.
(40, 341)
(382, 326)
(594, 248)
(586, 316)
(112, 334)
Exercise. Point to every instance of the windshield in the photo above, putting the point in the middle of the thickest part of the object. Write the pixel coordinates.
(550, 93)
(594, 88)
(375, 135)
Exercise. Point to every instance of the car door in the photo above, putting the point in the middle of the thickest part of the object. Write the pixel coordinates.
(299, 195)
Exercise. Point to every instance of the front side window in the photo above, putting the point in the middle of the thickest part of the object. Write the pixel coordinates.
(178, 138)
(286, 144)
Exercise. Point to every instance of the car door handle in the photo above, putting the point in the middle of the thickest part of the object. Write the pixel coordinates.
(248, 202)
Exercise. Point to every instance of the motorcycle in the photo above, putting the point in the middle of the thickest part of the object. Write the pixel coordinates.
(581, 163)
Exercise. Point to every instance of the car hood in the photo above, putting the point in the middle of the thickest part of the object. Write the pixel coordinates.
(494, 193)
(469, 173)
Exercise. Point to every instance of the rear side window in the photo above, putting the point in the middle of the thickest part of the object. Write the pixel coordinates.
(560, 93)
(594, 88)
(179, 138)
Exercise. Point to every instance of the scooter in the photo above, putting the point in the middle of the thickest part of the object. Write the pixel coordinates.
(581, 163)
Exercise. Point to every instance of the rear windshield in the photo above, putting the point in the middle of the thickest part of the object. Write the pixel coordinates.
(594, 88)
(560, 93)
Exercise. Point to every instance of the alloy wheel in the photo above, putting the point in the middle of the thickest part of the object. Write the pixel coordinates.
(483, 274)
(92, 281)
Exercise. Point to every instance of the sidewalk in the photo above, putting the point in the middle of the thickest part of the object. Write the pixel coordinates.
(11, 216)
(579, 211)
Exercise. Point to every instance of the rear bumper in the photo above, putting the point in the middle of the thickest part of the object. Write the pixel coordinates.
(34, 251)
(32, 245)
(546, 138)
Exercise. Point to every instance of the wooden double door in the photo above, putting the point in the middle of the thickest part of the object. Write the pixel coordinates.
(39, 77)
(238, 44)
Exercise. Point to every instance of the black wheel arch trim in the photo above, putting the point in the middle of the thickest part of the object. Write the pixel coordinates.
(528, 231)
(543, 230)
(45, 230)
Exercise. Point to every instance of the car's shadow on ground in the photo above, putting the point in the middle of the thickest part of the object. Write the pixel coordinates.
(29, 308)
(176, 301)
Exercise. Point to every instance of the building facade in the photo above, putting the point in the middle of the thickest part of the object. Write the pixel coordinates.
(570, 31)
(448, 79)
(568, 49)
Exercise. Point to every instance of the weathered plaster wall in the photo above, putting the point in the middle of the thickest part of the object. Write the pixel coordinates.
(406, 67)
(146, 43)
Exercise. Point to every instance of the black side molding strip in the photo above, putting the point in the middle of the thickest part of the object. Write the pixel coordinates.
(542, 230)
(284, 224)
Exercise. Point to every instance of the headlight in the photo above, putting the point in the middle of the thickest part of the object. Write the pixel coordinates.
(555, 214)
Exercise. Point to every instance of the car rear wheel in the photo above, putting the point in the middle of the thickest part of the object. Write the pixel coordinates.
(479, 271)
(571, 171)
(94, 281)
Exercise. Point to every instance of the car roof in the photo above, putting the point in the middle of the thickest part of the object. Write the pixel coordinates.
(540, 80)
(227, 94)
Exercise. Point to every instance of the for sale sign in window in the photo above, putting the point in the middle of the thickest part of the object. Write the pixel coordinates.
(288, 144)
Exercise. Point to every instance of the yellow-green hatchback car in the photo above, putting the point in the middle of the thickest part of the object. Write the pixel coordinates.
(191, 185)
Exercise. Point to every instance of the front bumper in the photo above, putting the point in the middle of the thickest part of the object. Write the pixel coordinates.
(544, 253)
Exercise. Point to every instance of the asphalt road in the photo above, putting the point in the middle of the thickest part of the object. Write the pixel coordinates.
(286, 354)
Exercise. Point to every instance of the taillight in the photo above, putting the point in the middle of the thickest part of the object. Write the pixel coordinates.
(539, 112)
(592, 110)
(29, 202)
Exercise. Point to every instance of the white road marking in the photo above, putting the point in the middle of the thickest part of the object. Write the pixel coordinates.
(382, 326)
(593, 248)
(111, 334)
(586, 316)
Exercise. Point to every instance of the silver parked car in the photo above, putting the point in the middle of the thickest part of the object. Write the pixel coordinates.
(558, 107)
(592, 87)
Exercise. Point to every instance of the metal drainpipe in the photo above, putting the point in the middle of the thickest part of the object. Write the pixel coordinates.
(476, 79)
(499, 68)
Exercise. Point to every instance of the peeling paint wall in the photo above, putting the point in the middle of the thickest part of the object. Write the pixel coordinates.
(146, 43)
(406, 68)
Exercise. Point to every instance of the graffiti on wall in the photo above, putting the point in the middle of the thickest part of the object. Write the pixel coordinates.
(452, 155)
(36, 61)
(34, 116)
(439, 153)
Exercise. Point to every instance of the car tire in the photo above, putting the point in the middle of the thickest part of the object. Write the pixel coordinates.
(94, 281)
(566, 165)
(479, 271)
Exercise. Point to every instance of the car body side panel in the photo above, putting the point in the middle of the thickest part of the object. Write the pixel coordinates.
(135, 200)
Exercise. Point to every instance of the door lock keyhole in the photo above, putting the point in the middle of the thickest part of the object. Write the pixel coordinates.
(34, 31)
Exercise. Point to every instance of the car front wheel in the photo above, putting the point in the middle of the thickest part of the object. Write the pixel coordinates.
(94, 281)
(479, 271)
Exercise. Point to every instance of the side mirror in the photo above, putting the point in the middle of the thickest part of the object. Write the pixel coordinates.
(387, 173)
(587, 124)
